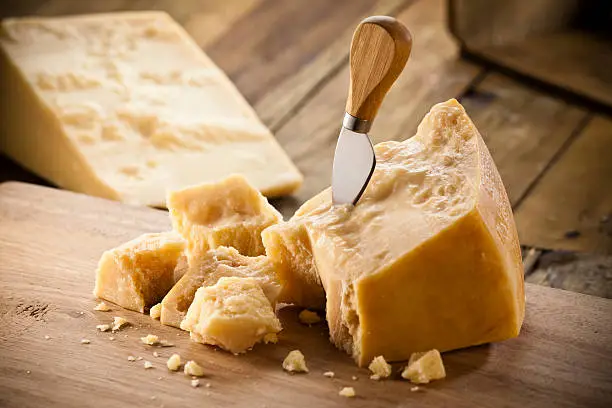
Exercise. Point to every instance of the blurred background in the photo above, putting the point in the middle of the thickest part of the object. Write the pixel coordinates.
(534, 75)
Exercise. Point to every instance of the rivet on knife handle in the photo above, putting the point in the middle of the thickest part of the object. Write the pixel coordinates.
(379, 51)
(380, 48)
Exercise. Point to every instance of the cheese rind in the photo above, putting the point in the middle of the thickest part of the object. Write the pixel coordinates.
(230, 213)
(137, 274)
(126, 106)
(233, 314)
(207, 270)
(429, 256)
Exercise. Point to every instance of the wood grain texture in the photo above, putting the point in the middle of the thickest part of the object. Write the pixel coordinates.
(523, 129)
(571, 60)
(50, 246)
(380, 49)
(590, 274)
(579, 186)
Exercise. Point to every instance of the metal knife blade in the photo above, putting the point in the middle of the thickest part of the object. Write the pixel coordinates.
(354, 163)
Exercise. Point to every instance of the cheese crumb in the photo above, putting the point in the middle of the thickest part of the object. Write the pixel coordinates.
(119, 322)
(195, 383)
(295, 362)
(103, 327)
(150, 339)
(348, 392)
(308, 317)
(47, 337)
(207, 385)
(424, 367)
(193, 368)
(111, 338)
(138, 358)
(165, 343)
(148, 364)
(329, 374)
(131, 358)
(174, 362)
(155, 354)
(379, 368)
(354, 378)
(102, 307)
(85, 341)
(155, 311)
(414, 389)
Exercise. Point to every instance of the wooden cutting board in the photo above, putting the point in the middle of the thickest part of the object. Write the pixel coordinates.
(50, 241)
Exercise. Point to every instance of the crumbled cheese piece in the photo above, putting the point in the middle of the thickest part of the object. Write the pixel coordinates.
(348, 392)
(148, 364)
(102, 307)
(195, 383)
(85, 341)
(47, 337)
(138, 358)
(414, 389)
(193, 368)
(165, 343)
(329, 374)
(103, 327)
(308, 317)
(207, 385)
(111, 338)
(155, 311)
(119, 322)
(354, 378)
(379, 368)
(28, 372)
(155, 354)
(424, 367)
(295, 362)
(131, 358)
(174, 362)
(150, 339)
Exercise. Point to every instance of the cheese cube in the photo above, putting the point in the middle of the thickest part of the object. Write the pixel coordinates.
(429, 257)
(424, 367)
(230, 212)
(215, 264)
(137, 274)
(233, 314)
(126, 106)
(288, 247)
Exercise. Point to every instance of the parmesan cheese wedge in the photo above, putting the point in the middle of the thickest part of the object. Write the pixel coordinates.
(429, 257)
(126, 106)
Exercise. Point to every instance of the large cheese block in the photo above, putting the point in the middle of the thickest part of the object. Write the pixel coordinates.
(136, 275)
(126, 106)
(429, 257)
(233, 314)
(230, 212)
(207, 270)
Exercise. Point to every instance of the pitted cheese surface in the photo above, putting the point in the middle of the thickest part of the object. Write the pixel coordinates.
(130, 107)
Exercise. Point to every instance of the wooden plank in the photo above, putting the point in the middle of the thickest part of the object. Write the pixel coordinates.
(574, 61)
(278, 38)
(570, 207)
(431, 75)
(279, 103)
(523, 129)
(584, 273)
(50, 243)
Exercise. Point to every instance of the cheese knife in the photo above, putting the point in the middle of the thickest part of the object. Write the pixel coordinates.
(380, 48)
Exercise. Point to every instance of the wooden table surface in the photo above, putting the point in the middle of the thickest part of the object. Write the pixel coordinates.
(562, 358)
(290, 60)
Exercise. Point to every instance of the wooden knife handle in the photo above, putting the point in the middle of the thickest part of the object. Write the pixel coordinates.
(380, 48)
